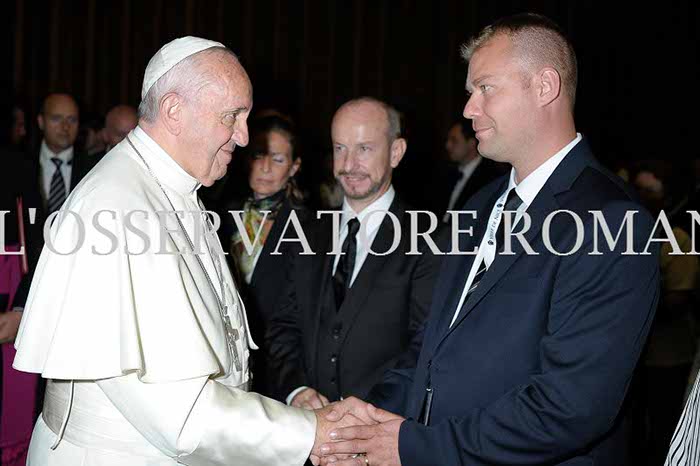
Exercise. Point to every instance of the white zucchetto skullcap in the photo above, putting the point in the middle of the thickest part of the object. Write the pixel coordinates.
(170, 55)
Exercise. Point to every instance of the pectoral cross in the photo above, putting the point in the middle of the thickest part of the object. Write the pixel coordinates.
(216, 254)
(232, 338)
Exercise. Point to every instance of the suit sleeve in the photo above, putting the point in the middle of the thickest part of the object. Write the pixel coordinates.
(204, 423)
(283, 339)
(601, 308)
(391, 393)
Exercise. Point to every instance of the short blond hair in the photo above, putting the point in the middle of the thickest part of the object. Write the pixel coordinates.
(538, 41)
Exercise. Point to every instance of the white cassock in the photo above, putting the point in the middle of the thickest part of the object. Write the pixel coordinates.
(141, 362)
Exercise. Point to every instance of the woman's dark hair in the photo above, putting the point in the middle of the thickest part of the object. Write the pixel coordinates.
(266, 124)
(263, 125)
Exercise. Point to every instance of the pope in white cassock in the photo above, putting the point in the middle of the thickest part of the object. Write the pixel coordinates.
(144, 344)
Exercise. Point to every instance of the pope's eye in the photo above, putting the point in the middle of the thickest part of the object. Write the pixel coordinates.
(229, 119)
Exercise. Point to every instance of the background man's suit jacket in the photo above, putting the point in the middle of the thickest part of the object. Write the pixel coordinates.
(537, 365)
(382, 311)
(483, 174)
(29, 178)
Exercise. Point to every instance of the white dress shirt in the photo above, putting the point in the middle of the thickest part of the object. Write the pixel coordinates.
(371, 218)
(48, 168)
(527, 190)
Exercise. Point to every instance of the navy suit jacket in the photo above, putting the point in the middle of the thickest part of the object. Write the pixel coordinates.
(536, 367)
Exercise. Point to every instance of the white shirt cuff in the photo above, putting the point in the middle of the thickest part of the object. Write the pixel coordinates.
(291, 396)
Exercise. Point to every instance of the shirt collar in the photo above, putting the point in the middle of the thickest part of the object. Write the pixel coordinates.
(46, 154)
(164, 167)
(372, 221)
(528, 188)
(469, 167)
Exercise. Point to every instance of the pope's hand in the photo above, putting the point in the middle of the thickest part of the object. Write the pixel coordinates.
(309, 399)
(324, 426)
(378, 440)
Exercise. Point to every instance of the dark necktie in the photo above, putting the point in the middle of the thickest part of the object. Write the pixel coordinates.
(346, 264)
(57, 190)
(513, 202)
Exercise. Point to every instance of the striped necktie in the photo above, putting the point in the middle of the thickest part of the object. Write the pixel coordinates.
(513, 202)
(57, 191)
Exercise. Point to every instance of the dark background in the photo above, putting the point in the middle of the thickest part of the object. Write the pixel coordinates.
(638, 81)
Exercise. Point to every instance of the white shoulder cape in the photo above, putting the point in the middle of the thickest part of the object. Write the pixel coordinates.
(92, 316)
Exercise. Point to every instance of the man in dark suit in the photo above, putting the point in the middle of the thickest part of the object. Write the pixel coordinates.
(470, 172)
(46, 178)
(345, 319)
(43, 184)
(528, 353)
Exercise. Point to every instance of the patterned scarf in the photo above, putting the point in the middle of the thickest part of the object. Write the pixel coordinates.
(253, 221)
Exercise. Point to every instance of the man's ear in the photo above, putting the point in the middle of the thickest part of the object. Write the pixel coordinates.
(40, 121)
(397, 150)
(548, 86)
(170, 109)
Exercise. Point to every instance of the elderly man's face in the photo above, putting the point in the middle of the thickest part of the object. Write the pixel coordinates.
(59, 122)
(362, 159)
(217, 121)
(502, 104)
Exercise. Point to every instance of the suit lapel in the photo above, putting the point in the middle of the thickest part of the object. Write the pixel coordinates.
(367, 276)
(544, 203)
(457, 268)
(319, 281)
(470, 187)
(537, 212)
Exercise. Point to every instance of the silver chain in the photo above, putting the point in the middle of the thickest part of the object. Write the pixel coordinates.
(231, 333)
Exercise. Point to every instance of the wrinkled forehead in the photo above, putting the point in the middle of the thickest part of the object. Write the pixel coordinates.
(236, 88)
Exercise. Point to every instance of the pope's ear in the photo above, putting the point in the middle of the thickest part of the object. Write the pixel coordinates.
(170, 109)
(40, 121)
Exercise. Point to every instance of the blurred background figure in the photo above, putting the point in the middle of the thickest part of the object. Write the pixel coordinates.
(273, 161)
(672, 341)
(330, 191)
(13, 124)
(119, 121)
(98, 135)
(469, 171)
(90, 141)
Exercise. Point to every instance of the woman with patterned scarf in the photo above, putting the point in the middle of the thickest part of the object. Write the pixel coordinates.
(273, 162)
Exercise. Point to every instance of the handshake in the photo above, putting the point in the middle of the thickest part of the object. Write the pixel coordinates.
(353, 433)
